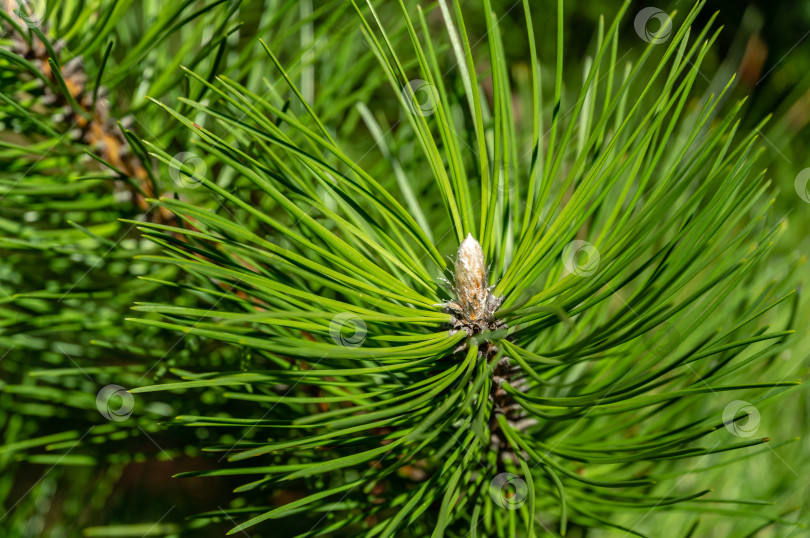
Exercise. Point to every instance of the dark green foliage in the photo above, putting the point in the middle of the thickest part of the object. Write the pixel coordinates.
(269, 193)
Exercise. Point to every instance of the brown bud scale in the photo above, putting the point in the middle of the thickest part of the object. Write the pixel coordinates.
(475, 305)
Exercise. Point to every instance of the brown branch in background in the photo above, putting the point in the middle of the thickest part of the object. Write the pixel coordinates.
(96, 128)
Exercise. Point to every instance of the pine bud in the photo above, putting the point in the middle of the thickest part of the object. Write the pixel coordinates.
(471, 280)
(474, 307)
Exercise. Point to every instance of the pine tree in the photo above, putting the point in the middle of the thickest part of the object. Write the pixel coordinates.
(390, 284)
